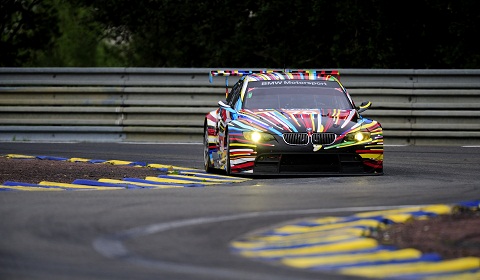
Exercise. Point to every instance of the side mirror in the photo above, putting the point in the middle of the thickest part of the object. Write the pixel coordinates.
(225, 106)
(364, 106)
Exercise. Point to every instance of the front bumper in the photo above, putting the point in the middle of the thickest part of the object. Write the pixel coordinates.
(284, 159)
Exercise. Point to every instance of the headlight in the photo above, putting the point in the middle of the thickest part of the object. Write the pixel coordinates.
(258, 136)
(358, 136)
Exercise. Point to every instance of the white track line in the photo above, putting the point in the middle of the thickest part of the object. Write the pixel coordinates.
(112, 246)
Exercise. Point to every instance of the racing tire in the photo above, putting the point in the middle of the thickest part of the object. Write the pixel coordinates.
(228, 169)
(206, 155)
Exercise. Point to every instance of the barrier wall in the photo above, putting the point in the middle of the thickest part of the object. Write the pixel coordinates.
(419, 107)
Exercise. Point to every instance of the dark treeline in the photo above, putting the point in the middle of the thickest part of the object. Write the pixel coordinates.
(419, 34)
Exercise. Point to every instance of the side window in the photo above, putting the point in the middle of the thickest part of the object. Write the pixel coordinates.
(234, 94)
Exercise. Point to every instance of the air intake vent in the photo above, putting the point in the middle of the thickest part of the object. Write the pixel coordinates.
(296, 138)
(323, 138)
(304, 139)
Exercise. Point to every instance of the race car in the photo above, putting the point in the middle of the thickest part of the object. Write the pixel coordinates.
(290, 123)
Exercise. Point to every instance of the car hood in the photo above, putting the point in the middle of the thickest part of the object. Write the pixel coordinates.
(281, 121)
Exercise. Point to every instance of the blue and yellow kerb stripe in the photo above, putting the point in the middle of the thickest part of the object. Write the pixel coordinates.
(169, 177)
(343, 245)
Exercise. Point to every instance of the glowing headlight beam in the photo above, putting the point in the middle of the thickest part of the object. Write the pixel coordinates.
(358, 136)
(257, 137)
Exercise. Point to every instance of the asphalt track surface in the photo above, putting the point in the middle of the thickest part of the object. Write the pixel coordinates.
(185, 233)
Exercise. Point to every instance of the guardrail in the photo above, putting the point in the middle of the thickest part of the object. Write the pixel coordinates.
(168, 104)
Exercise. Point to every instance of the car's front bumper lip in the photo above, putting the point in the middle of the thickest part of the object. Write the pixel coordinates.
(284, 159)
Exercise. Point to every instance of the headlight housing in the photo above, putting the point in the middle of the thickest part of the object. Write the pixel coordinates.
(358, 136)
(258, 137)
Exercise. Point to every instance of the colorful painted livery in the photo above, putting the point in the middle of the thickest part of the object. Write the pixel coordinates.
(290, 123)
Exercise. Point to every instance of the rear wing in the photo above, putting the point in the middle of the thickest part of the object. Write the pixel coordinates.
(315, 73)
(300, 73)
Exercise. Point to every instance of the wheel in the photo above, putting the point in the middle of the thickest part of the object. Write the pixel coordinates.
(206, 155)
(228, 169)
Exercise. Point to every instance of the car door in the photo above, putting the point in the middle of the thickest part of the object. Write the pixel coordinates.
(228, 113)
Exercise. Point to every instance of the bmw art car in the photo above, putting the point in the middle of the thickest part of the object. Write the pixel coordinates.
(291, 123)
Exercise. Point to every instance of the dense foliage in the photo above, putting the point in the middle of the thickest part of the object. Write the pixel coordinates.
(248, 33)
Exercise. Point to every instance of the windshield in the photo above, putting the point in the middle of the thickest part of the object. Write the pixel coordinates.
(295, 94)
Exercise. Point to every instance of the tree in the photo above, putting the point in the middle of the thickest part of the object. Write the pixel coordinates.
(52, 33)
(27, 27)
(248, 33)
